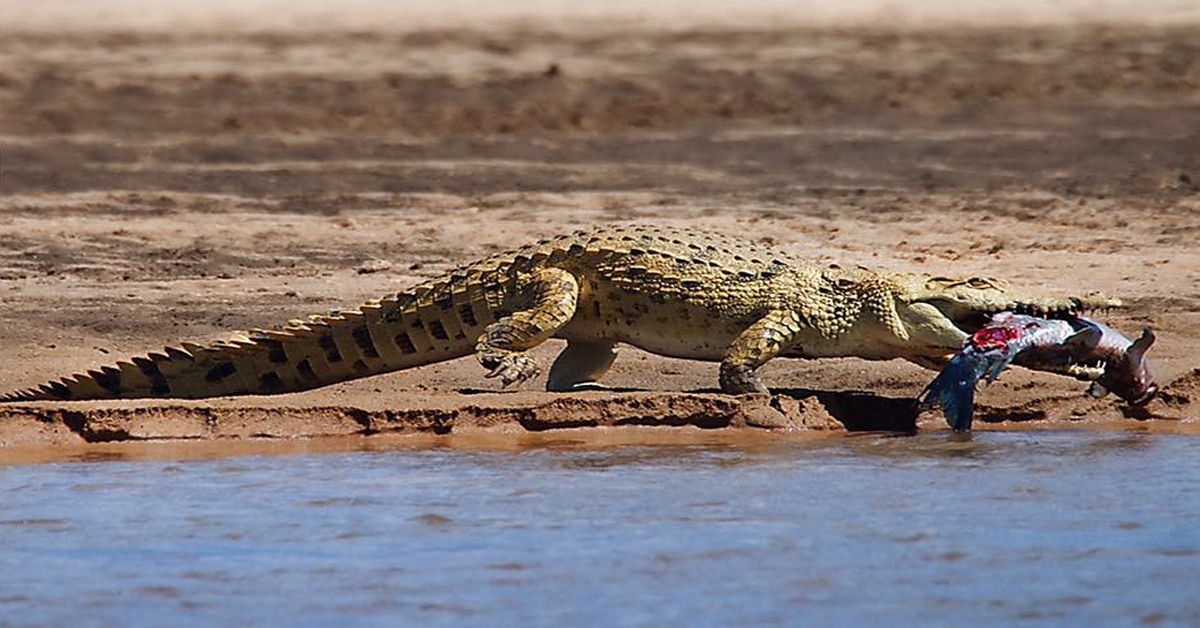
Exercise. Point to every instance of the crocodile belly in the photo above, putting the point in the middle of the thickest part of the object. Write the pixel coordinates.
(663, 326)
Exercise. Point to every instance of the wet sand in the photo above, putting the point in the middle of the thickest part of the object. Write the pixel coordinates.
(159, 185)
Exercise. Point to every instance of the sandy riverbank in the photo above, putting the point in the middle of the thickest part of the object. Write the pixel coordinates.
(163, 184)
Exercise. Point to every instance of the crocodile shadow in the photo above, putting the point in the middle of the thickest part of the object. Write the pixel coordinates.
(858, 411)
(861, 411)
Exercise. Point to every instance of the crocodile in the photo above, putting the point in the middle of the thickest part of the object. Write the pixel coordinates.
(671, 291)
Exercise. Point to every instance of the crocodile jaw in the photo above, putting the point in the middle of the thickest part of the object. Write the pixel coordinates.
(939, 313)
(969, 303)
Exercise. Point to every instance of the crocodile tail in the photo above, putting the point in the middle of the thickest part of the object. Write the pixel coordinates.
(378, 337)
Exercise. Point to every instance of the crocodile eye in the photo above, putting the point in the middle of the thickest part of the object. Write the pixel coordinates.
(979, 283)
(937, 283)
(844, 284)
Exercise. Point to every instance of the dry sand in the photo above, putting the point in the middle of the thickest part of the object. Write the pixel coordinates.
(175, 178)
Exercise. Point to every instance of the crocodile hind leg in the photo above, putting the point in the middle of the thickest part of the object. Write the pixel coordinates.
(502, 346)
(763, 340)
(580, 364)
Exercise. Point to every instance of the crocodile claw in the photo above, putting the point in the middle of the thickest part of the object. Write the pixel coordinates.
(511, 367)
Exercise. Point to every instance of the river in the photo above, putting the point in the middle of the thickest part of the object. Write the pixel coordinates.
(1044, 527)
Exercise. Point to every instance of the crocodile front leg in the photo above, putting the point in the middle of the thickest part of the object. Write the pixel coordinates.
(502, 346)
(763, 340)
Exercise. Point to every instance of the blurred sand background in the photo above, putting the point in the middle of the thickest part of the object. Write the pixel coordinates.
(410, 15)
(176, 170)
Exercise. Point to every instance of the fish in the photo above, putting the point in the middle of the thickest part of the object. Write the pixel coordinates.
(1072, 345)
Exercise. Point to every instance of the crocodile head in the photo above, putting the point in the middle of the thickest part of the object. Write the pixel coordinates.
(939, 313)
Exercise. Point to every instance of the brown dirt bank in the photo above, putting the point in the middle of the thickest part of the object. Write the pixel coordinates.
(167, 186)
(37, 431)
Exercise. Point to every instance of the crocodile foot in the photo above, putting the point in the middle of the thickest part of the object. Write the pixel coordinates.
(512, 367)
(740, 380)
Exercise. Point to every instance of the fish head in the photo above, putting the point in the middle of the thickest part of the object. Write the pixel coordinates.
(1129, 376)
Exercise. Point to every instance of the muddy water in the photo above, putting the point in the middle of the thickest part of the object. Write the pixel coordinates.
(1062, 527)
